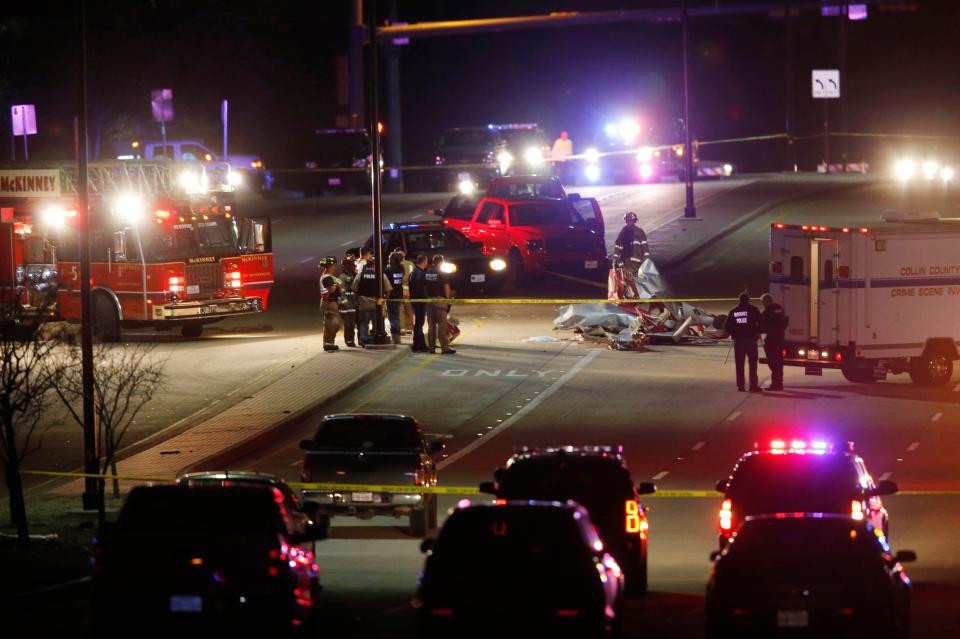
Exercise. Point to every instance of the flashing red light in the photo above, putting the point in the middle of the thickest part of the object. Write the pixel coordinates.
(805, 227)
(632, 523)
(568, 612)
(864, 229)
(778, 225)
(777, 444)
(824, 228)
(838, 356)
(856, 510)
(162, 213)
(726, 515)
(846, 229)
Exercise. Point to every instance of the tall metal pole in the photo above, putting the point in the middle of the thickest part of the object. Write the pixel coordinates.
(690, 210)
(395, 131)
(843, 81)
(380, 336)
(91, 465)
(788, 89)
(355, 95)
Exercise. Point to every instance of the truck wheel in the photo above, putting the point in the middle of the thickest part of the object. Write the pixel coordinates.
(418, 522)
(858, 374)
(432, 513)
(517, 274)
(192, 329)
(106, 319)
(934, 368)
(637, 579)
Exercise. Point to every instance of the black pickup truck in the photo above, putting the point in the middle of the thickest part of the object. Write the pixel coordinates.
(375, 458)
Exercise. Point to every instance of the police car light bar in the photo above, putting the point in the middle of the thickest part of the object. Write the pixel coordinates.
(816, 227)
(512, 127)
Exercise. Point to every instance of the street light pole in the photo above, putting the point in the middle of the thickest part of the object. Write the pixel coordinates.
(91, 463)
(690, 210)
(379, 335)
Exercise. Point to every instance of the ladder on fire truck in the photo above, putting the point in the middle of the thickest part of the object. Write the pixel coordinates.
(174, 179)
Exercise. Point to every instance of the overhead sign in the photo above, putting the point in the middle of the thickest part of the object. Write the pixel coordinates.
(36, 183)
(161, 103)
(826, 83)
(24, 119)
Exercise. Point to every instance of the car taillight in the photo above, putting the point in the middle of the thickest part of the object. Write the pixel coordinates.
(856, 510)
(633, 521)
(726, 515)
(568, 612)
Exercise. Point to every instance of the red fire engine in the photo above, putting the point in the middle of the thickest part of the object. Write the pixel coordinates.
(167, 246)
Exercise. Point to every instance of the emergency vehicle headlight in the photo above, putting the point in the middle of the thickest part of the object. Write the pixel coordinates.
(629, 129)
(467, 187)
(236, 179)
(946, 174)
(128, 207)
(497, 264)
(930, 169)
(904, 169)
(646, 170)
(592, 173)
(591, 155)
(533, 156)
(53, 216)
(504, 159)
(645, 154)
(728, 170)
(448, 267)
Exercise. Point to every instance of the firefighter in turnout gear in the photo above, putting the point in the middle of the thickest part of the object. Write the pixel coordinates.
(774, 323)
(630, 248)
(331, 290)
(348, 303)
(743, 324)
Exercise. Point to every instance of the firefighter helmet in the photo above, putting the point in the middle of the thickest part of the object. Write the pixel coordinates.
(630, 216)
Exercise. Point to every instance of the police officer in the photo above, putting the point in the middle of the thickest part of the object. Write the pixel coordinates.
(743, 324)
(774, 323)
(418, 291)
(348, 303)
(365, 286)
(631, 248)
(331, 289)
(438, 286)
(395, 274)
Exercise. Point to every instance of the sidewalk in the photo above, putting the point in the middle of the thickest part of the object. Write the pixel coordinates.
(252, 422)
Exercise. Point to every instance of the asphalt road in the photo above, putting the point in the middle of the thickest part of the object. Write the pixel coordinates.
(676, 411)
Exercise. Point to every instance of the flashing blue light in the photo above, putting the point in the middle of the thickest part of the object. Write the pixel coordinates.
(610, 130)
(819, 445)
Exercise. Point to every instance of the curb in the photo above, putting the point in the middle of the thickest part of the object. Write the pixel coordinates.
(223, 458)
(748, 217)
(64, 586)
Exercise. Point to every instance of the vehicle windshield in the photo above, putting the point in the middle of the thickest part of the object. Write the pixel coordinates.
(519, 190)
(179, 509)
(435, 240)
(511, 534)
(182, 240)
(368, 435)
(337, 149)
(461, 207)
(545, 214)
(523, 138)
(793, 483)
(467, 137)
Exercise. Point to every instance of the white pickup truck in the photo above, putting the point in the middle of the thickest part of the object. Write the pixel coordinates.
(870, 301)
(194, 150)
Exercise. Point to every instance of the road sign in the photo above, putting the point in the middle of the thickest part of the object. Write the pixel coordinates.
(826, 83)
(24, 117)
(161, 103)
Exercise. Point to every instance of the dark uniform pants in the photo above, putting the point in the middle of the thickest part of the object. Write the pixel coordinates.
(420, 315)
(746, 349)
(437, 327)
(774, 353)
(331, 322)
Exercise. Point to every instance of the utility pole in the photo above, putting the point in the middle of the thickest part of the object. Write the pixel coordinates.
(91, 462)
(394, 136)
(379, 334)
(355, 95)
(788, 89)
(844, 17)
(690, 210)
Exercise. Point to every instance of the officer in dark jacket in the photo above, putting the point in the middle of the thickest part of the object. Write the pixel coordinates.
(418, 291)
(395, 274)
(773, 322)
(365, 286)
(743, 324)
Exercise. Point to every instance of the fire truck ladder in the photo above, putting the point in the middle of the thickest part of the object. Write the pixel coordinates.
(151, 178)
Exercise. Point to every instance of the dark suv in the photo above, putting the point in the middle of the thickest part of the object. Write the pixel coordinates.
(468, 155)
(595, 477)
(801, 476)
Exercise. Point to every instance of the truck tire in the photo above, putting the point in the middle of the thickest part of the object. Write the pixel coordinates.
(518, 275)
(432, 513)
(418, 522)
(933, 368)
(192, 329)
(858, 374)
(106, 319)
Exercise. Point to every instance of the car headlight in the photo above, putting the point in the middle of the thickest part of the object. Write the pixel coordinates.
(467, 187)
(497, 264)
(645, 154)
(592, 156)
(448, 267)
(728, 170)
(946, 174)
(930, 169)
(646, 171)
(504, 159)
(533, 156)
(592, 173)
(904, 169)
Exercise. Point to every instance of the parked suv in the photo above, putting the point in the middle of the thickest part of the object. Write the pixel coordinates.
(468, 155)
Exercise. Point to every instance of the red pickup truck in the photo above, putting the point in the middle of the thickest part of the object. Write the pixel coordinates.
(538, 235)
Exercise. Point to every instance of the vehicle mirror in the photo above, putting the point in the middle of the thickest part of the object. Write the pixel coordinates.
(306, 444)
(646, 488)
(437, 447)
(722, 485)
(573, 197)
(488, 488)
(886, 487)
(427, 545)
(437, 212)
(498, 474)
(714, 555)
(905, 556)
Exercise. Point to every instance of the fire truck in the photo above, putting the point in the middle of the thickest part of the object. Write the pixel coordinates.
(168, 249)
(870, 300)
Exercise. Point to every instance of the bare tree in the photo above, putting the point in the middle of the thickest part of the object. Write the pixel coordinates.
(126, 377)
(28, 374)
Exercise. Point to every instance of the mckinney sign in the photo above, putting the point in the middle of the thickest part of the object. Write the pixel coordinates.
(38, 183)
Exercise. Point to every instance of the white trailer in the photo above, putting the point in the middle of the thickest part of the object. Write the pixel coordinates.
(870, 301)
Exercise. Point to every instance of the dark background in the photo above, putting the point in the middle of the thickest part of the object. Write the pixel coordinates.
(276, 63)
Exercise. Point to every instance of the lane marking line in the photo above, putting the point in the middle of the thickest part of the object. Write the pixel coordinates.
(936, 417)
(507, 423)
(348, 243)
(885, 476)
(733, 415)
(660, 475)
(698, 445)
(912, 447)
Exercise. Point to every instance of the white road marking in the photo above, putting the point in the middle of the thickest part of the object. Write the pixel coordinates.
(885, 476)
(698, 445)
(660, 475)
(439, 435)
(307, 259)
(347, 243)
(733, 415)
(912, 447)
(936, 416)
(507, 423)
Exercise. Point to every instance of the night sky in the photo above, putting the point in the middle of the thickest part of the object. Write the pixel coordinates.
(276, 63)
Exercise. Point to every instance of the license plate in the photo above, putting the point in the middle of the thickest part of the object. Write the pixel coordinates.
(186, 603)
(366, 497)
(193, 289)
(478, 278)
(813, 370)
(813, 354)
(590, 264)
(463, 175)
(333, 181)
(792, 619)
